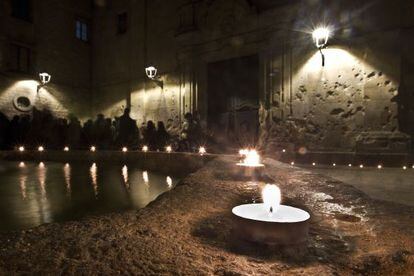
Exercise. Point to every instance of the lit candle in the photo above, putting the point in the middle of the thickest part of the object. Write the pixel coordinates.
(124, 149)
(333, 164)
(379, 166)
(349, 165)
(169, 182)
(202, 150)
(40, 148)
(93, 148)
(283, 150)
(271, 198)
(361, 166)
(168, 149)
(66, 148)
(145, 148)
(21, 148)
(404, 167)
(292, 163)
(313, 164)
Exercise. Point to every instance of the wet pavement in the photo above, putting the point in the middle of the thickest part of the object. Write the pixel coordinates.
(190, 231)
(390, 184)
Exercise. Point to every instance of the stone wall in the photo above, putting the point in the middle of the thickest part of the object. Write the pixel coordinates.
(353, 103)
(50, 36)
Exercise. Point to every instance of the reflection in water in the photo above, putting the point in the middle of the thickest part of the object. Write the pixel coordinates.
(23, 181)
(42, 178)
(44, 204)
(169, 182)
(94, 177)
(49, 191)
(145, 177)
(66, 173)
(125, 176)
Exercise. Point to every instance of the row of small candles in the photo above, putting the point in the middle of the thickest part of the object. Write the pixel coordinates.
(201, 150)
(251, 157)
(361, 166)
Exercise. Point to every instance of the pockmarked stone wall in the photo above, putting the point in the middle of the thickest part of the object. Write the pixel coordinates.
(353, 103)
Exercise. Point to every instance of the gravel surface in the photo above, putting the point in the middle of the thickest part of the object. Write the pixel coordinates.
(188, 231)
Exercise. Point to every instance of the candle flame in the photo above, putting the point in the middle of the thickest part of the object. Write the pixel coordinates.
(145, 148)
(93, 148)
(202, 150)
(41, 148)
(66, 148)
(21, 148)
(251, 157)
(168, 149)
(271, 198)
(169, 182)
(124, 149)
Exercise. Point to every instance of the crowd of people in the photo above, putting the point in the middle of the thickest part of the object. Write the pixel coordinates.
(42, 128)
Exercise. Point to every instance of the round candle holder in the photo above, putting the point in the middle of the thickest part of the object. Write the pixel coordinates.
(286, 226)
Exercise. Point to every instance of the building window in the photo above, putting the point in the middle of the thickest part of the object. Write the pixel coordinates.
(82, 30)
(21, 9)
(122, 23)
(20, 59)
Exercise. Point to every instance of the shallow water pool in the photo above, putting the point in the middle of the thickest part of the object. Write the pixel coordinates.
(34, 193)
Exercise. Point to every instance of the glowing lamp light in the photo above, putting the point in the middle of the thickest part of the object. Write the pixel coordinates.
(379, 167)
(124, 149)
(283, 150)
(349, 165)
(271, 198)
(93, 148)
(22, 165)
(313, 164)
(44, 78)
(333, 165)
(40, 148)
(202, 150)
(168, 149)
(151, 72)
(292, 163)
(320, 37)
(404, 167)
(66, 148)
(361, 166)
(145, 148)
(21, 148)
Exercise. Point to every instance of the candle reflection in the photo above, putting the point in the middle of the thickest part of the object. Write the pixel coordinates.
(67, 175)
(23, 180)
(94, 177)
(145, 176)
(125, 176)
(42, 178)
(169, 182)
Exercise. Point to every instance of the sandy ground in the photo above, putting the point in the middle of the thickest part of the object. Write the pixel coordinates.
(188, 231)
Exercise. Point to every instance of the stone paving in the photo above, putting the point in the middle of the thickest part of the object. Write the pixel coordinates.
(189, 231)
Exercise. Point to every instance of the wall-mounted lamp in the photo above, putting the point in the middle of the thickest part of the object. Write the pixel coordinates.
(151, 73)
(320, 37)
(44, 79)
